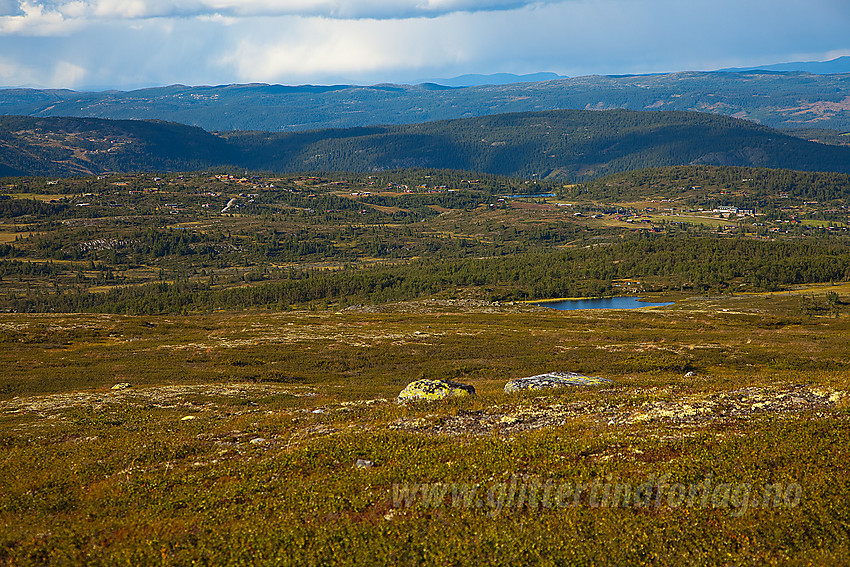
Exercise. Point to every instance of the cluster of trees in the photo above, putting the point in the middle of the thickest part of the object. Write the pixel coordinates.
(745, 185)
(700, 264)
(11, 208)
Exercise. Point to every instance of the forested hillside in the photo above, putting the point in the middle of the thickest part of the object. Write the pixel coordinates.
(568, 145)
(83, 146)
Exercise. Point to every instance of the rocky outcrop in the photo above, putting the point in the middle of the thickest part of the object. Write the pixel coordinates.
(552, 380)
(669, 408)
(431, 390)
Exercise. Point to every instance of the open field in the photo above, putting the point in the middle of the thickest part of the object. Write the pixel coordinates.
(237, 438)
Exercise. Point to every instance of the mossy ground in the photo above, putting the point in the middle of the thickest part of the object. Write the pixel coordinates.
(236, 442)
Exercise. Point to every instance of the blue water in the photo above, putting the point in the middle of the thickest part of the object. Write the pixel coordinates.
(601, 303)
(527, 196)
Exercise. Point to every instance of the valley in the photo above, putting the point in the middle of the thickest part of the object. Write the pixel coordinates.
(178, 242)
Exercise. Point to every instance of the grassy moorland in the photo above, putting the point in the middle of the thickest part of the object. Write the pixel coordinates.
(722, 438)
(237, 439)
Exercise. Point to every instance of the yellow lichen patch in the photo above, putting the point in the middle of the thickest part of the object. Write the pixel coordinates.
(432, 390)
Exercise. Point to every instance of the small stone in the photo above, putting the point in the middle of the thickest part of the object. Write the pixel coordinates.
(121, 386)
(363, 464)
(434, 390)
(553, 380)
(187, 417)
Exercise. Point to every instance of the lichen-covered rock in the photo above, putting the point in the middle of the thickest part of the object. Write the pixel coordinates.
(434, 390)
(552, 380)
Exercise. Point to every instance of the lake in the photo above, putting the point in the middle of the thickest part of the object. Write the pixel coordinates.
(600, 303)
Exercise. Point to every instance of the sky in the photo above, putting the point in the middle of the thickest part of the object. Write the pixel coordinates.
(128, 44)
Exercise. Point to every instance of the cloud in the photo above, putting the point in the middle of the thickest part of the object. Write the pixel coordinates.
(13, 73)
(327, 47)
(33, 19)
(10, 8)
(18, 16)
(65, 73)
(357, 9)
(62, 73)
(131, 43)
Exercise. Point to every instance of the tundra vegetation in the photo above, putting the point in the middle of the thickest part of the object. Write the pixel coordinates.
(184, 385)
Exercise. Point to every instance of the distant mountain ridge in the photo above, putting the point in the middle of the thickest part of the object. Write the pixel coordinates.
(839, 65)
(780, 100)
(476, 80)
(569, 145)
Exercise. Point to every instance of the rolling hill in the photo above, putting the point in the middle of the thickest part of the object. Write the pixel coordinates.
(83, 146)
(786, 100)
(568, 145)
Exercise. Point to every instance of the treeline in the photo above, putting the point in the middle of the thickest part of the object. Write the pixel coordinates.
(702, 264)
(13, 208)
(195, 250)
(756, 185)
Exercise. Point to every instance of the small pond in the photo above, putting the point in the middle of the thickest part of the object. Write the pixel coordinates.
(600, 303)
(528, 196)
